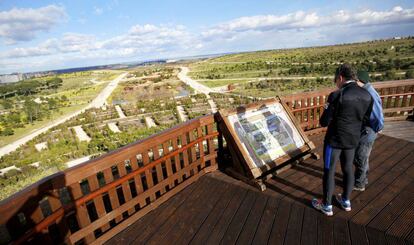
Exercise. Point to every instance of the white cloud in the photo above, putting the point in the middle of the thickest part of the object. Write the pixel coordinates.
(98, 11)
(138, 41)
(142, 29)
(75, 42)
(146, 38)
(20, 24)
(69, 43)
(301, 20)
(151, 41)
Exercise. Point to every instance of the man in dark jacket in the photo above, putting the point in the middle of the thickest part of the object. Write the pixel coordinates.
(347, 109)
(369, 133)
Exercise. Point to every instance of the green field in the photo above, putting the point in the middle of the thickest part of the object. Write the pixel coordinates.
(62, 142)
(21, 132)
(390, 59)
(78, 89)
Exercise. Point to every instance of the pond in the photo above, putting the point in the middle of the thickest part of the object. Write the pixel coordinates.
(182, 92)
(119, 102)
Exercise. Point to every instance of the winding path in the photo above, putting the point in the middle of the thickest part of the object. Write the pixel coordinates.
(99, 101)
(192, 83)
(198, 87)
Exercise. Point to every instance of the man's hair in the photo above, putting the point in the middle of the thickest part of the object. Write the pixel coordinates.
(346, 71)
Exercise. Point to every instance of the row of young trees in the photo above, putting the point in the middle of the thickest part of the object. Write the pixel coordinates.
(29, 87)
(27, 112)
(319, 69)
(289, 85)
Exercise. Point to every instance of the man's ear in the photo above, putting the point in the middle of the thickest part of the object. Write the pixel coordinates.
(341, 78)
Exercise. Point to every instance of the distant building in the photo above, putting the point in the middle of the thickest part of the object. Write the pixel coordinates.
(11, 78)
(15, 77)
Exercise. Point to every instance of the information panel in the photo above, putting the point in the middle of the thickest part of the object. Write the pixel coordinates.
(267, 133)
(263, 136)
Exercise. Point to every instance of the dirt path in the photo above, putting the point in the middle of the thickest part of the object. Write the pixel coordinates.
(193, 83)
(197, 86)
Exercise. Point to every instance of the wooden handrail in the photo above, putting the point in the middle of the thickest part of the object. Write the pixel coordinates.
(35, 193)
(307, 107)
(106, 187)
(78, 202)
(393, 83)
(84, 170)
(396, 95)
(81, 171)
(397, 98)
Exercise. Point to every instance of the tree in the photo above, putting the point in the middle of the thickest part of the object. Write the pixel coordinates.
(7, 104)
(14, 119)
(54, 82)
(6, 132)
(32, 110)
(28, 87)
(52, 103)
(409, 74)
(390, 74)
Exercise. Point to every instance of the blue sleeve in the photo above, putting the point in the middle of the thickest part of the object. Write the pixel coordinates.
(377, 118)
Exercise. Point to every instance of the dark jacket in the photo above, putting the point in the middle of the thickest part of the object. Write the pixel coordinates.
(348, 112)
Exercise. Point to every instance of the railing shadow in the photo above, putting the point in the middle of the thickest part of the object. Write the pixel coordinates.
(311, 171)
(25, 224)
(289, 195)
(317, 171)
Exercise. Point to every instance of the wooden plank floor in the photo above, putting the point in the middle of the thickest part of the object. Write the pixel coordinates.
(400, 129)
(219, 209)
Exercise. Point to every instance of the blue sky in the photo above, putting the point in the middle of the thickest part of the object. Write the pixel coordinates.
(43, 35)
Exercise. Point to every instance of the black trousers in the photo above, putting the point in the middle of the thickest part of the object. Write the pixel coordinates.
(331, 157)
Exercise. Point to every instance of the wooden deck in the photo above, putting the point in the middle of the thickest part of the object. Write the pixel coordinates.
(219, 209)
(400, 129)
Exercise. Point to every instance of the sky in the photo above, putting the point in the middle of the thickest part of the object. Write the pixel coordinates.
(48, 35)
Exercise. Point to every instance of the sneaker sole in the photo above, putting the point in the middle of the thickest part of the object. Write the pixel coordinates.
(321, 210)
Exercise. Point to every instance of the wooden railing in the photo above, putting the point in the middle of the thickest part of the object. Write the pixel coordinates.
(95, 200)
(397, 101)
(91, 202)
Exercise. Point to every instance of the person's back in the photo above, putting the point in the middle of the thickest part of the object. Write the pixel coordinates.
(347, 109)
(368, 134)
(351, 104)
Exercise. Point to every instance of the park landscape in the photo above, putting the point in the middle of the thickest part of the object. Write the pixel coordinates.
(150, 98)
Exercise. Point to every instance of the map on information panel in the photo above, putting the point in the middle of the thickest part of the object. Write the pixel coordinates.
(266, 133)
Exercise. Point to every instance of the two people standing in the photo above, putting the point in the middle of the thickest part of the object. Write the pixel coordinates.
(350, 135)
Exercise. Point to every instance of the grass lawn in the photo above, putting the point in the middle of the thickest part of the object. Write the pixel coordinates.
(81, 95)
(219, 83)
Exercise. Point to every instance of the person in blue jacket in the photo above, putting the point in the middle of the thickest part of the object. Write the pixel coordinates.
(369, 133)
